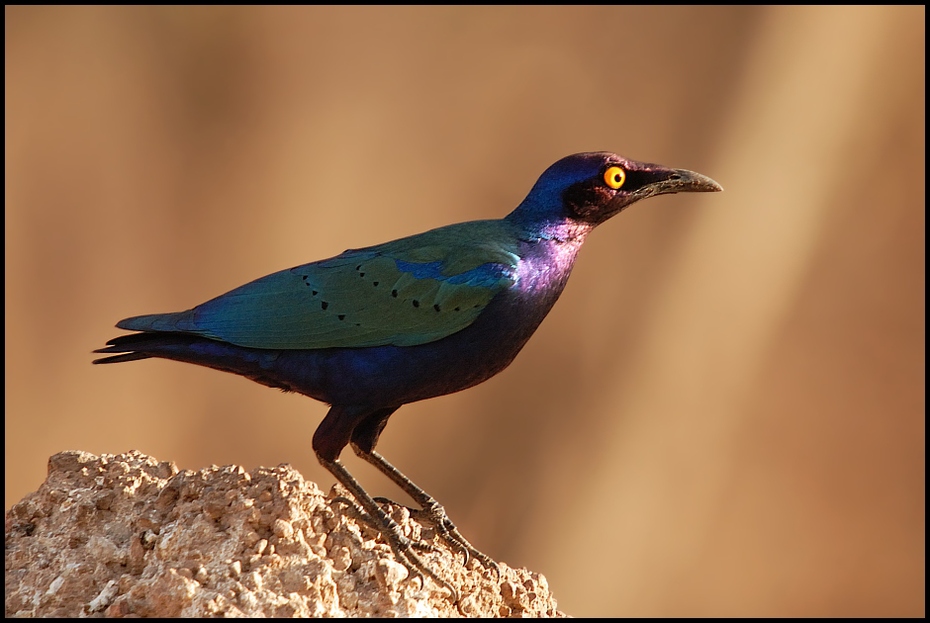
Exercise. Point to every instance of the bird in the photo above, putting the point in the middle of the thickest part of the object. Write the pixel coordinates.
(375, 328)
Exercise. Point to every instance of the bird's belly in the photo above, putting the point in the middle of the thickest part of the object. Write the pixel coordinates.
(396, 375)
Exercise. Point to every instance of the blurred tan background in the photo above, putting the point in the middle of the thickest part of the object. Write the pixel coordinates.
(724, 415)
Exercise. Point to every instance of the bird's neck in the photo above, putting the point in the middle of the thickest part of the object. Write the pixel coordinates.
(564, 231)
(536, 224)
(540, 217)
(546, 261)
(549, 243)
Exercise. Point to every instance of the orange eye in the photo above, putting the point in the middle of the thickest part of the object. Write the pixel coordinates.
(614, 177)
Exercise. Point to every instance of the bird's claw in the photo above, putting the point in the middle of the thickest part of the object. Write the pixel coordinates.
(436, 514)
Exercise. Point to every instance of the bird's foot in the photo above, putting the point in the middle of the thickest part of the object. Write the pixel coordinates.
(401, 545)
(415, 543)
(434, 513)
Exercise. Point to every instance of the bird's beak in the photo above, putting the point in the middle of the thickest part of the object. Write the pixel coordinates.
(667, 181)
(653, 179)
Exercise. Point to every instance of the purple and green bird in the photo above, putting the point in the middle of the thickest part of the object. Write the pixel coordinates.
(376, 328)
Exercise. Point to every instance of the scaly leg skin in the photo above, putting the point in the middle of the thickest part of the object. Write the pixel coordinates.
(432, 509)
(400, 544)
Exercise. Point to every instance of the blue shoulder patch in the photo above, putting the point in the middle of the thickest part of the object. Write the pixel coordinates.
(485, 275)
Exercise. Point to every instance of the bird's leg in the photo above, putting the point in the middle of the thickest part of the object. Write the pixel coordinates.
(399, 543)
(331, 436)
(433, 510)
(364, 438)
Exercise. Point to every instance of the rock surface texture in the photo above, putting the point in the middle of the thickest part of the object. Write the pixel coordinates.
(126, 535)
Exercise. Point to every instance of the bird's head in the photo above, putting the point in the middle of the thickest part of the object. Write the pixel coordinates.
(589, 188)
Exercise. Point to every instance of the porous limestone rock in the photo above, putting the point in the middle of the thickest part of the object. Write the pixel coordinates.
(121, 535)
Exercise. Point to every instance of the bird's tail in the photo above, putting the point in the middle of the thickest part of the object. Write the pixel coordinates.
(253, 363)
(145, 345)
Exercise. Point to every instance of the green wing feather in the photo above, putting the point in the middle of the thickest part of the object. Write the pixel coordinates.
(406, 292)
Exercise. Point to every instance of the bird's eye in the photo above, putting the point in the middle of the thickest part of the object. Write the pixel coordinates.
(614, 177)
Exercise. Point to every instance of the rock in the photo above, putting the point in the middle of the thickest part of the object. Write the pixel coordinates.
(126, 535)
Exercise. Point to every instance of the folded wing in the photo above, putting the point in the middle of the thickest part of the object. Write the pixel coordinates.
(406, 292)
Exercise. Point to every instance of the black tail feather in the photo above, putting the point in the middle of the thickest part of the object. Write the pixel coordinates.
(252, 363)
(140, 346)
(121, 358)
